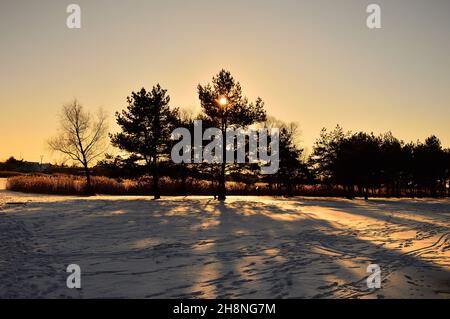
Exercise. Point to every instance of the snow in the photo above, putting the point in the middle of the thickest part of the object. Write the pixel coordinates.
(247, 247)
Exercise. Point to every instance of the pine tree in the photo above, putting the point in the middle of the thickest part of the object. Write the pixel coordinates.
(224, 105)
(146, 126)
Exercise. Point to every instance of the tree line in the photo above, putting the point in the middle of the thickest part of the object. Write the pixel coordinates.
(366, 165)
(341, 163)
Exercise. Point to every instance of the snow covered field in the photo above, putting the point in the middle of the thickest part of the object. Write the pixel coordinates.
(247, 247)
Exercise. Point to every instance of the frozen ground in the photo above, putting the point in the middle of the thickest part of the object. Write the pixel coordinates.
(247, 247)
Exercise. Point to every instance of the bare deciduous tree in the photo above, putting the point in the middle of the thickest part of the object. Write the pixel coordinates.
(81, 137)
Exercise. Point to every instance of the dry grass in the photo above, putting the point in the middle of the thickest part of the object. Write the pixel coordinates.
(76, 185)
(62, 184)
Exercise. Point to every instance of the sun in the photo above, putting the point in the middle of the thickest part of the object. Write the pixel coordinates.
(223, 101)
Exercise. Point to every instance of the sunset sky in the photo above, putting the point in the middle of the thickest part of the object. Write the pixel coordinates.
(312, 62)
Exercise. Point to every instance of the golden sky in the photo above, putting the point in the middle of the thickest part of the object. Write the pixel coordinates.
(312, 62)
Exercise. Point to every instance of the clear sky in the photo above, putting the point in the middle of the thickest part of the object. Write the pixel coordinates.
(313, 62)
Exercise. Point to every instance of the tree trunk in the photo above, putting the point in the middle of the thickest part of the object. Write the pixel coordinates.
(289, 191)
(213, 185)
(183, 179)
(156, 127)
(155, 180)
(222, 191)
(221, 194)
(88, 189)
